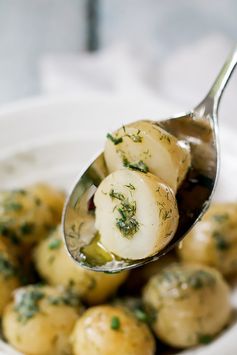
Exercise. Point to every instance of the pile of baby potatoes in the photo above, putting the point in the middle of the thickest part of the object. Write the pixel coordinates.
(51, 306)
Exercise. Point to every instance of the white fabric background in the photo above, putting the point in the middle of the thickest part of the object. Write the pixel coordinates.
(123, 70)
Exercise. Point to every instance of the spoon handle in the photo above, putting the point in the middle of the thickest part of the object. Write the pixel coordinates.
(211, 102)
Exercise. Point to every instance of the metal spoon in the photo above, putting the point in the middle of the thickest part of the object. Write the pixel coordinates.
(198, 127)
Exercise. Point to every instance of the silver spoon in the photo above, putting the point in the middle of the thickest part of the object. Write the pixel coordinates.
(198, 127)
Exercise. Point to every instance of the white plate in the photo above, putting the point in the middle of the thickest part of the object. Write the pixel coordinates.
(51, 140)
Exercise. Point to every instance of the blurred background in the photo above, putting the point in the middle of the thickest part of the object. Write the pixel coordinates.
(133, 48)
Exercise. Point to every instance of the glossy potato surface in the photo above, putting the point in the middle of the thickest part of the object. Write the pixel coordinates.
(40, 320)
(191, 304)
(136, 214)
(148, 146)
(24, 218)
(56, 266)
(109, 330)
(213, 241)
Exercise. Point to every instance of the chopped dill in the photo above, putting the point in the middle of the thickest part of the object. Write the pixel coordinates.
(67, 297)
(115, 323)
(115, 140)
(130, 186)
(200, 279)
(13, 206)
(221, 243)
(54, 244)
(27, 304)
(205, 338)
(116, 195)
(127, 224)
(27, 228)
(140, 166)
(135, 137)
(165, 137)
(38, 201)
(7, 269)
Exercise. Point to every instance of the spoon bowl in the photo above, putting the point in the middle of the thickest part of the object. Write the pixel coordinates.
(200, 129)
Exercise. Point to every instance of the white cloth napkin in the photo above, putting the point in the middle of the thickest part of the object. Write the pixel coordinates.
(118, 70)
(183, 77)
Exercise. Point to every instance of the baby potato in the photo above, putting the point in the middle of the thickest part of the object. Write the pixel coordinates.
(24, 218)
(51, 197)
(213, 241)
(109, 330)
(191, 303)
(56, 267)
(136, 214)
(145, 146)
(40, 320)
(9, 280)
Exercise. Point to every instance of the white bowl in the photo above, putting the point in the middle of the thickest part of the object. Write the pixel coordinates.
(51, 139)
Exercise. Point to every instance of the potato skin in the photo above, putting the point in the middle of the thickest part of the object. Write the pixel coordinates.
(47, 331)
(154, 210)
(9, 280)
(191, 303)
(144, 140)
(24, 219)
(93, 333)
(213, 241)
(56, 267)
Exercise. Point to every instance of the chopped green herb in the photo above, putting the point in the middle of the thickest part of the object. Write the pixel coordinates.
(128, 228)
(165, 137)
(205, 339)
(141, 315)
(127, 209)
(115, 323)
(147, 153)
(6, 232)
(130, 186)
(7, 269)
(200, 279)
(163, 213)
(38, 201)
(158, 189)
(151, 314)
(54, 244)
(13, 206)
(71, 283)
(166, 214)
(136, 138)
(68, 298)
(184, 280)
(220, 218)
(115, 140)
(221, 243)
(27, 228)
(140, 166)
(116, 195)
(27, 303)
(127, 224)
